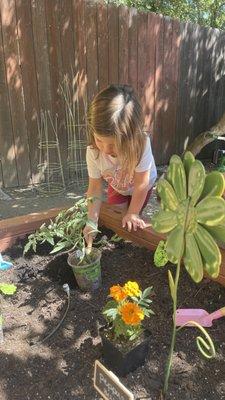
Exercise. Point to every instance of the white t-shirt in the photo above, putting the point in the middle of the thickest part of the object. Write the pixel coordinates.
(105, 166)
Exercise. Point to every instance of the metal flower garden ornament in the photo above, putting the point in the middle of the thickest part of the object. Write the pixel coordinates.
(193, 216)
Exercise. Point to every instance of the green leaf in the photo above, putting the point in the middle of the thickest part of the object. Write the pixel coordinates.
(175, 245)
(135, 335)
(147, 292)
(93, 225)
(214, 184)
(145, 302)
(160, 255)
(27, 247)
(171, 285)
(110, 304)
(60, 246)
(112, 313)
(164, 221)
(196, 181)
(7, 288)
(110, 310)
(116, 238)
(135, 299)
(147, 313)
(192, 258)
(188, 160)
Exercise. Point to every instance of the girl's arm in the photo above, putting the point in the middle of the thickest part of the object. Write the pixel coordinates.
(141, 188)
(95, 191)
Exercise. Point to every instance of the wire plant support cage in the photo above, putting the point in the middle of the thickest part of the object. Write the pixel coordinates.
(75, 99)
(50, 167)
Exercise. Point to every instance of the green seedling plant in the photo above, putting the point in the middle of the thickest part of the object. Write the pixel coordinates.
(192, 215)
(65, 233)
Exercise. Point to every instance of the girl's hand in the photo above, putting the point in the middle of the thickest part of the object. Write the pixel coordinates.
(89, 234)
(133, 221)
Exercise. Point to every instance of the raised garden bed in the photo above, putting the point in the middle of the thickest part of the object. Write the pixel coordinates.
(63, 367)
(110, 217)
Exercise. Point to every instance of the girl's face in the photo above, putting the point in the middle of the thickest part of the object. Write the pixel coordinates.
(106, 144)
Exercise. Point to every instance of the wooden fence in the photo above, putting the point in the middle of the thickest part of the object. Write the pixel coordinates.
(177, 69)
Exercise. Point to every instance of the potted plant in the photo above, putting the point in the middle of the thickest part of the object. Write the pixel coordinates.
(125, 342)
(66, 233)
(192, 215)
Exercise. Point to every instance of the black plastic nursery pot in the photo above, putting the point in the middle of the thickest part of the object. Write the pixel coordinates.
(122, 360)
(88, 276)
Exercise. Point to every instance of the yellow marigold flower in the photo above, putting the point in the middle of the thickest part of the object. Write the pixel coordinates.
(132, 289)
(117, 293)
(131, 314)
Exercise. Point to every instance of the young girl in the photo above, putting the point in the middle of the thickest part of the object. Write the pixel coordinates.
(120, 153)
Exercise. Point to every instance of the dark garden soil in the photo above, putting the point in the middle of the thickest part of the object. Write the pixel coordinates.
(61, 368)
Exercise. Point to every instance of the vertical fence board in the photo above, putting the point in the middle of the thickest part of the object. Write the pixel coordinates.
(41, 54)
(15, 88)
(8, 165)
(91, 42)
(201, 97)
(170, 79)
(103, 49)
(80, 49)
(65, 18)
(187, 86)
(66, 35)
(113, 27)
(52, 10)
(213, 77)
(53, 16)
(220, 76)
(142, 53)
(159, 102)
(132, 49)
(29, 79)
(123, 44)
(149, 92)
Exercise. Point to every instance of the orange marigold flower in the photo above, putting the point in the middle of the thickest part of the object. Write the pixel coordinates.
(131, 314)
(117, 293)
(132, 289)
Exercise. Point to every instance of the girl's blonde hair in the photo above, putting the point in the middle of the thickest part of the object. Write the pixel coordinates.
(116, 111)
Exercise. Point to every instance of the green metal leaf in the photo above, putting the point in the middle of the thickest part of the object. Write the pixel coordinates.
(209, 250)
(196, 181)
(214, 184)
(211, 211)
(164, 221)
(177, 177)
(175, 245)
(217, 232)
(188, 160)
(167, 195)
(192, 258)
(171, 285)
